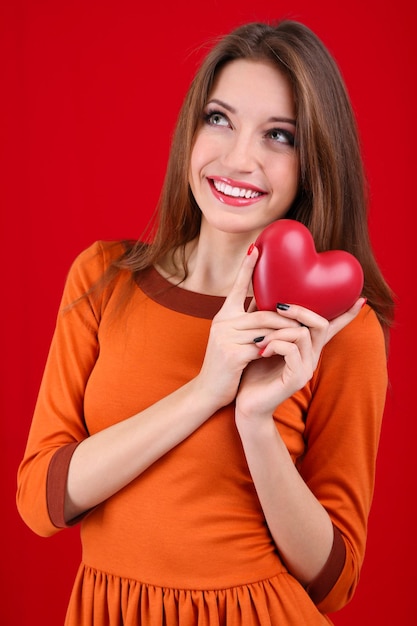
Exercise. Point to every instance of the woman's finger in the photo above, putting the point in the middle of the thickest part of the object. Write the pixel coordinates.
(303, 316)
(240, 289)
(321, 329)
(343, 320)
(300, 337)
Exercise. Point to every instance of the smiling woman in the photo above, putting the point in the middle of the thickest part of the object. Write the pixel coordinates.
(220, 459)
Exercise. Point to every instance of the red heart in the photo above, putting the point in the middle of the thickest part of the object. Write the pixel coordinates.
(289, 270)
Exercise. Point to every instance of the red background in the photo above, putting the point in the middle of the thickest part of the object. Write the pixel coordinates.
(89, 96)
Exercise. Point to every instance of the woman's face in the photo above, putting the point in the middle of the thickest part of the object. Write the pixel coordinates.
(244, 170)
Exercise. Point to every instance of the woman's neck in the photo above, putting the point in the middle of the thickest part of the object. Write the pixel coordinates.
(212, 263)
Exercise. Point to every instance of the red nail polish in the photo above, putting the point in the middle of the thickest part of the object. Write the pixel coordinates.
(262, 351)
(250, 249)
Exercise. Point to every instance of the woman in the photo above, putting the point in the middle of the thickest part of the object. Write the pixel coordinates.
(221, 459)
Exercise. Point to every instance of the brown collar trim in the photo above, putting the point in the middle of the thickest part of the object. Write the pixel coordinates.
(173, 297)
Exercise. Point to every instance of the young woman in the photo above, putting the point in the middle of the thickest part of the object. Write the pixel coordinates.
(220, 459)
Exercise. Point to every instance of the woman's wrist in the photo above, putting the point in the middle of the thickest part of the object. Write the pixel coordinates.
(255, 424)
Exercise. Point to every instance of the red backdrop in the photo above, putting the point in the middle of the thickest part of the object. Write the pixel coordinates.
(89, 95)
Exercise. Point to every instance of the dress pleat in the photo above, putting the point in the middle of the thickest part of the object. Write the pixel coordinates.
(101, 599)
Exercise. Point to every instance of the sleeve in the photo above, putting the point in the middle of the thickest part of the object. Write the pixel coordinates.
(342, 436)
(58, 422)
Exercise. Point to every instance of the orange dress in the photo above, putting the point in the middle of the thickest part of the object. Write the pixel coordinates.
(186, 542)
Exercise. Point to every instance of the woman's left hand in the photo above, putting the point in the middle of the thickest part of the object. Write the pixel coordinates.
(288, 358)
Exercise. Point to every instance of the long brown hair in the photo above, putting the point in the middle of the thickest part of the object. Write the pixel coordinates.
(332, 199)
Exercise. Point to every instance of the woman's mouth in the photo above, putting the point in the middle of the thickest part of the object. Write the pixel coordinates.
(231, 192)
(236, 192)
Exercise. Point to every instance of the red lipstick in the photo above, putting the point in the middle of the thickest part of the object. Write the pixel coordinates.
(233, 192)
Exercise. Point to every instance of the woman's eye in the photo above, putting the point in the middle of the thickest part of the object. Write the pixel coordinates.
(216, 119)
(281, 136)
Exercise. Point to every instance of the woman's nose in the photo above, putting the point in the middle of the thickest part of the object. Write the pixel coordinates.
(241, 153)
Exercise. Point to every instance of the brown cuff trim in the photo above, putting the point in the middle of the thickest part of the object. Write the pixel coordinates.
(56, 484)
(326, 579)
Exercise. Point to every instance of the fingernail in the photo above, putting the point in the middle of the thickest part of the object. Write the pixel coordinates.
(262, 351)
(258, 339)
(283, 307)
(250, 249)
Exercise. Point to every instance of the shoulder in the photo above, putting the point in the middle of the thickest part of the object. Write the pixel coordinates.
(95, 260)
(99, 255)
(90, 267)
(359, 349)
(361, 334)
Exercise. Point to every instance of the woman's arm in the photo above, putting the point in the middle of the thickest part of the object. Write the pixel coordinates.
(299, 524)
(105, 462)
(330, 488)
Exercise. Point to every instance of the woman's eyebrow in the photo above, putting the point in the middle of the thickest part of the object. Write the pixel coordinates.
(222, 104)
(228, 107)
(286, 120)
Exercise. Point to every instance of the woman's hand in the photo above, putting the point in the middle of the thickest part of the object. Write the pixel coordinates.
(290, 355)
(231, 343)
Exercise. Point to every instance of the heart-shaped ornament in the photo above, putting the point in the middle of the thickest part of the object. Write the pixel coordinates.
(290, 270)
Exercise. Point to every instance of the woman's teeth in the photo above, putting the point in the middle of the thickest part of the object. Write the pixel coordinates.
(236, 192)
